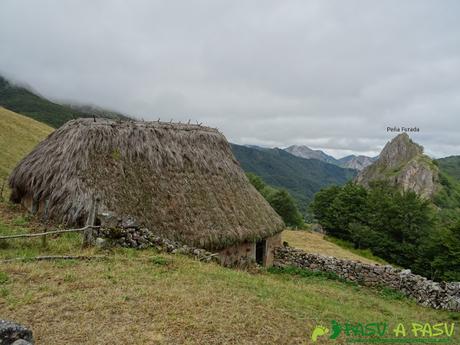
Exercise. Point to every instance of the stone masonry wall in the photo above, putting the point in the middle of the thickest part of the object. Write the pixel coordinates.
(426, 292)
(126, 232)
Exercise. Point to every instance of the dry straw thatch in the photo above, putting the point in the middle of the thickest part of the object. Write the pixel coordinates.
(181, 181)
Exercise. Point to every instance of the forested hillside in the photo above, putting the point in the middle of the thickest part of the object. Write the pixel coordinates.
(450, 165)
(23, 101)
(302, 178)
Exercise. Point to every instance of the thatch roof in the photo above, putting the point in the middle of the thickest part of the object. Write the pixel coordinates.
(181, 181)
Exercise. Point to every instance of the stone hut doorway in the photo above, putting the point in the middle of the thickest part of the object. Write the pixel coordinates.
(261, 247)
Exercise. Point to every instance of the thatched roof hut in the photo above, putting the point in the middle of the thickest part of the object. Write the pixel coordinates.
(181, 181)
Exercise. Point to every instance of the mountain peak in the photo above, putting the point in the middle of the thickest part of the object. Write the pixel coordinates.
(303, 151)
(400, 150)
(350, 162)
(356, 162)
(403, 164)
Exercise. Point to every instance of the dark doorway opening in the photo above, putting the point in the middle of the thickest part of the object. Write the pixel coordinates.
(260, 252)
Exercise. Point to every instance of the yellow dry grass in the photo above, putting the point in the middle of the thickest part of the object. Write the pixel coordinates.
(313, 242)
(18, 136)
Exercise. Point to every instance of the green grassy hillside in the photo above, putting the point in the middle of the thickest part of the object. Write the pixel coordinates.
(23, 101)
(448, 196)
(146, 297)
(302, 178)
(18, 136)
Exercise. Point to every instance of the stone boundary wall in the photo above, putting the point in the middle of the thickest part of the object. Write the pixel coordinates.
(125, 232)
(426, 292)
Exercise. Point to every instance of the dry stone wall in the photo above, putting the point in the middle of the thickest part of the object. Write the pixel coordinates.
(126, 232)
(426, 292)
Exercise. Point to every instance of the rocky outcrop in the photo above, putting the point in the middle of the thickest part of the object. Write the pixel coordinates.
(424, 291)
(418, 176)
(12, 333)
(403, 164)
(399, 151)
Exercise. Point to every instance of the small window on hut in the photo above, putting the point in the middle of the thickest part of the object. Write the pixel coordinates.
(260, 252)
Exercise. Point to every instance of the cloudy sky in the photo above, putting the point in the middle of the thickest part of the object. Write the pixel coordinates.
(329, 74)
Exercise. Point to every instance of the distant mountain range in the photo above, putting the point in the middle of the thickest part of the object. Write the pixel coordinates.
(303, 171)
(302, 178)
(24, 101)
(356, 162)
(351, 161)
(307, 153)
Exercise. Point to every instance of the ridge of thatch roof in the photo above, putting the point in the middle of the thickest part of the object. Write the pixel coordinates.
(179, 180)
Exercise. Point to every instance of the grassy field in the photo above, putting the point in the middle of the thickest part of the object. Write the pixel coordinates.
(145, 297)
(316, 243)
(18, 136)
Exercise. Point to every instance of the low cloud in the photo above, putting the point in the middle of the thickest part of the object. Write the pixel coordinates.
(329, 74)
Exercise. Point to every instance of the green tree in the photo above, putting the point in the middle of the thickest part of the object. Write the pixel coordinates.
(286, 207)
(350, 206)
(362, 236)
(321, 206)
(395, 225)
(442, 254)
(401, 221)
(335, 208)
(257, 182)
(281, 201)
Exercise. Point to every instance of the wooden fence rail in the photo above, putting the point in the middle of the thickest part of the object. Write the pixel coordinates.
(56, 257)
(48, 233)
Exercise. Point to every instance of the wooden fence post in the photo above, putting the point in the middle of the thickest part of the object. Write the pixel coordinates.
(1, 191)
(88, 234)
(45, 220)
(35, 205)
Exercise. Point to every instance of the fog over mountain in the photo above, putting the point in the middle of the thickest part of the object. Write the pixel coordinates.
(331, 75)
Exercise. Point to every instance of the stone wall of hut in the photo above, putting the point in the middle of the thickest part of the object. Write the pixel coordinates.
(245, 253)
(271, 244)
(238, 255)
(126, 232)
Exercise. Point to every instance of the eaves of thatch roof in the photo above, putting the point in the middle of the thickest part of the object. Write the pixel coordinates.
(181, 181)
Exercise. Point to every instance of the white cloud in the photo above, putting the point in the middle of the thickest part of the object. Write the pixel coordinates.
(330, 74)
